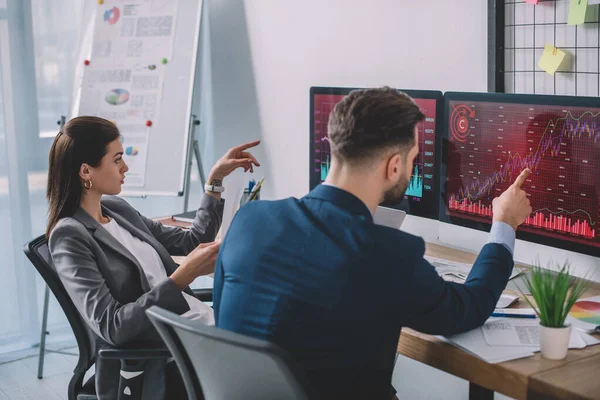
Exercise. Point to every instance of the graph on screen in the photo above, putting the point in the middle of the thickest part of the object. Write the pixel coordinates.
(422, 178)
(491, 143)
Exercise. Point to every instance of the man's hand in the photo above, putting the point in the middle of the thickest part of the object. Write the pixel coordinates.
(513, 207)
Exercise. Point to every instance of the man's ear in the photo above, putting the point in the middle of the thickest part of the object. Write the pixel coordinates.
(394, 167)
(84, 172)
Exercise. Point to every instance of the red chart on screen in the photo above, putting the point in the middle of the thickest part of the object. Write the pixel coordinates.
(422, 178)
(491, 143)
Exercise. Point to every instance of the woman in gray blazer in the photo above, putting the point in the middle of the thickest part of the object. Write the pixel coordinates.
(114, 262)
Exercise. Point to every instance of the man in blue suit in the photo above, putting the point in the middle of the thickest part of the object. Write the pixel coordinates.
(317, 277)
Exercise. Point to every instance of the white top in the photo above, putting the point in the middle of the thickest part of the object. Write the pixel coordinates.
(155, 271)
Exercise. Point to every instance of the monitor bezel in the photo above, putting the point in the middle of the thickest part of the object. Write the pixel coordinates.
(437, 95)
(540, 100)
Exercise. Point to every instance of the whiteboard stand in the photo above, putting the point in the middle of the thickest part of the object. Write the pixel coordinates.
(194, 152)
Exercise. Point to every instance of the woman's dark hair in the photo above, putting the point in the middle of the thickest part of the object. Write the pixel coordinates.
(81, 140)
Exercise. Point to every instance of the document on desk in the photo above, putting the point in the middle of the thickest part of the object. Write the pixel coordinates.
(510, 346)
(511, 332)
(474, 342)
(453, 271)
(526, 332)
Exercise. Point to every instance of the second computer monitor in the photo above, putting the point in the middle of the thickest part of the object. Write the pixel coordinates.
(490, 138)
(422, 194)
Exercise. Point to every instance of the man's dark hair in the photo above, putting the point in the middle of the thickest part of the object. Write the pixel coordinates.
(368, 122)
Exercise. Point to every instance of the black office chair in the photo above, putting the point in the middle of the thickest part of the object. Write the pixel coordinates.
(224, 365)
(39, 255)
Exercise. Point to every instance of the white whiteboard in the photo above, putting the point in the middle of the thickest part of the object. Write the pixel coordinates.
(169, 137)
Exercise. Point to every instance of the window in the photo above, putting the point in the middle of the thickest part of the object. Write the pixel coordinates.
(55, 29)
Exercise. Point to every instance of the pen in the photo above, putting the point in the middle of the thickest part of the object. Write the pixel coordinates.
(505, 315)
(255, 189)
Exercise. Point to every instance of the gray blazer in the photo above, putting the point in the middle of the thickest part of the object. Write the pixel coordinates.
(107, 283)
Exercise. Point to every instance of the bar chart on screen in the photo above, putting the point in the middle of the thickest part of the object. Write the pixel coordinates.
(493, 142)
(422, 177)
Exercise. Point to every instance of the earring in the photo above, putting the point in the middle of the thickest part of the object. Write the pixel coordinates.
(87, 184)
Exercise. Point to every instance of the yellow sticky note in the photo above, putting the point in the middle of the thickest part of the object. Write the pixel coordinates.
(577, 11)
(551, 59)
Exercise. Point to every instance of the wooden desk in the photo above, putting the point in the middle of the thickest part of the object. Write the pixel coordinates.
(532, 377)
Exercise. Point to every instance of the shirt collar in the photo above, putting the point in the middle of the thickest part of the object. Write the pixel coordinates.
(342, 199)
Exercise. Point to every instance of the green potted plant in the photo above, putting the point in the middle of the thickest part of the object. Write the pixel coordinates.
(554, 295)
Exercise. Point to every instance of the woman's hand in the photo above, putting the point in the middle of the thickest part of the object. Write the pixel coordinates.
(201, 261)
(236, 157)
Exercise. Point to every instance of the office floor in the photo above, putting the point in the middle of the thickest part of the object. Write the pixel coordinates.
(18, 379)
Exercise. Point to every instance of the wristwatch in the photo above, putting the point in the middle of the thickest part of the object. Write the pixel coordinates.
(216, 186)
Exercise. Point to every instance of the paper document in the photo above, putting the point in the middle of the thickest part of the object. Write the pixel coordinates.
(525, 332)
(506, 300)
(511, 332)
(453, 271)
(474, 342)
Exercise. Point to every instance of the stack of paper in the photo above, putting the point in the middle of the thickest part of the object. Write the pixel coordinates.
(506, 300)
(474, 343)
(526, 333)
(456, 272)
(503, 339)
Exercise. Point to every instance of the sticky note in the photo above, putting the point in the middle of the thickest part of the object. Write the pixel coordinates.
(535, 1)
(551, 59)
(577, 11)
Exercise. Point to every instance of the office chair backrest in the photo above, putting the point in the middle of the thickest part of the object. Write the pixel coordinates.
(38, 253)
(228, 365)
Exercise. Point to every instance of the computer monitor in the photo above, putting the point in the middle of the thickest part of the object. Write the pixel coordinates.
(422, 194)
(490, 138)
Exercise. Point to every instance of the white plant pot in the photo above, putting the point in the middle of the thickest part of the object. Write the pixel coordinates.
(554, 342)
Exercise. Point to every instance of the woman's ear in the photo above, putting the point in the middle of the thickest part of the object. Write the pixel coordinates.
(84, 172)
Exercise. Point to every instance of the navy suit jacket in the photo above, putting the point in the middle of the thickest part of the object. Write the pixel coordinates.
(317, 277)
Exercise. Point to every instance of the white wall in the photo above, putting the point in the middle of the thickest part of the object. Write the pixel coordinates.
(267, 53)
(260, 58)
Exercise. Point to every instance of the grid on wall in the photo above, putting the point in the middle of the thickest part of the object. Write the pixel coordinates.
(526, 29)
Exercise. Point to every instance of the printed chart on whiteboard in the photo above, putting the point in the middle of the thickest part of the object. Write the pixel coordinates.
(123, 79)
